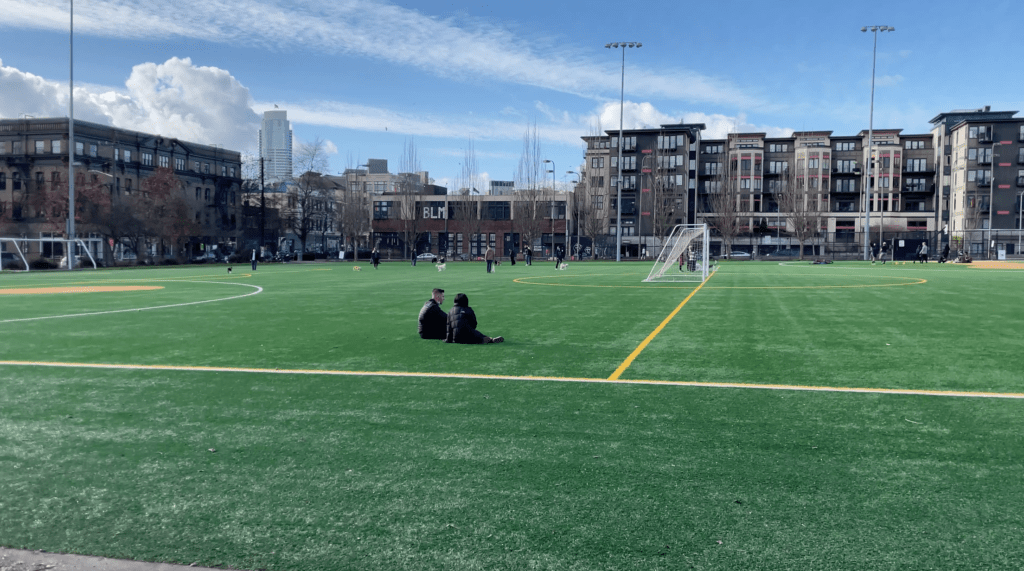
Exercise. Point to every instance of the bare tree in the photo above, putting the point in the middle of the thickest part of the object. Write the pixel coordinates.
(408, 189)
(355, 217)
(528, 209)
(306, 209)
(724, 200)
(802, 205)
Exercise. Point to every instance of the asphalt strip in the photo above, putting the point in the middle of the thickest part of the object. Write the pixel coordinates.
(21, 560)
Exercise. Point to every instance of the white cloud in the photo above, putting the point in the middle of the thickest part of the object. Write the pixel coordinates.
(330, 148)
(719, 126)
(471, 48)
(176, 99)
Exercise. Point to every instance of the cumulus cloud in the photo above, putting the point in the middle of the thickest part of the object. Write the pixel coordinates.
(175, 99)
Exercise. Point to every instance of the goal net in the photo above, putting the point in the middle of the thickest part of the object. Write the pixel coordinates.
(684, 255)
(14, 249)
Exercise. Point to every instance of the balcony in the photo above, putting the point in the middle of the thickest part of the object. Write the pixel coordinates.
(1020, 181)
(919, 188)
(985, 137)
(983, 182)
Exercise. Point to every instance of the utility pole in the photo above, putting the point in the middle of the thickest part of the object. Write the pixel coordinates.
(263, 210)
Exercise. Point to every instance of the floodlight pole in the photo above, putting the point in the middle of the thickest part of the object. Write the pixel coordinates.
(871, 121)
(618, 185)
(71, 138)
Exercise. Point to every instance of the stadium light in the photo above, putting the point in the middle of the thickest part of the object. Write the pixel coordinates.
(618, 201)
(871, 143)
(71, 138)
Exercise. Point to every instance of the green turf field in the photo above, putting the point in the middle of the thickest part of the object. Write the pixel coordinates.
(291, 418)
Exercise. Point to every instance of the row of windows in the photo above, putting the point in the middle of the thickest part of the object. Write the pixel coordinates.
(784, 148)
(17, 148)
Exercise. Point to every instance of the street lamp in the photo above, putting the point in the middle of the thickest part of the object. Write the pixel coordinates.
(618, 201)
(871, 120)
(552, 171)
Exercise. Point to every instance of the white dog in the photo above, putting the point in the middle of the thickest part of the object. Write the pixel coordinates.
(440, 267)
(564, 266)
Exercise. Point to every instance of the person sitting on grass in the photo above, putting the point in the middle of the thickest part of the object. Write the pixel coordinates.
(433, 321)
(462, 324)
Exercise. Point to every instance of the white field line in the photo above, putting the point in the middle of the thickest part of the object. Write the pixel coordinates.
(407, 374)
(257, 288)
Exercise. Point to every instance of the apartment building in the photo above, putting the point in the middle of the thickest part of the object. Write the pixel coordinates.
(34, 172)
(962, 182)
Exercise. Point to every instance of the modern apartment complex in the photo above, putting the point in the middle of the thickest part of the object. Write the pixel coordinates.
(112, 166)
(276, 146)
(962, 182)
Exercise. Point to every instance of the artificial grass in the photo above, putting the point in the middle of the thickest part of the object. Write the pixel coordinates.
(315, 472)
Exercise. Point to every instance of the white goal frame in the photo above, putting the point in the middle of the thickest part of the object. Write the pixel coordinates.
(691, 239)
(67, 248)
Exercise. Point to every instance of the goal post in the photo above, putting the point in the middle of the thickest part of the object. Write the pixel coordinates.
(18, 256)
(683, 256)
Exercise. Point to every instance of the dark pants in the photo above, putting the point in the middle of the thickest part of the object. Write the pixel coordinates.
(529, 259)
(254, 265)
(489, 262)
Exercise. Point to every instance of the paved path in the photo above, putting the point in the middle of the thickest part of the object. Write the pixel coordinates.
(20, 560)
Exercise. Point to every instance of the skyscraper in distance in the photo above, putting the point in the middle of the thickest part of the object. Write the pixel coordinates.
(276, 145)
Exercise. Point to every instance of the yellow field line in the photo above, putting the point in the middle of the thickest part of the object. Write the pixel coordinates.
(629, 360)
(408, 374)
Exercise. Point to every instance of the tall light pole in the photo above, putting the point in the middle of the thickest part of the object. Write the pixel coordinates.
(71, 138)
(871, 143)
(576, 211)
(618, 185)
(991, 197)
(552, 171)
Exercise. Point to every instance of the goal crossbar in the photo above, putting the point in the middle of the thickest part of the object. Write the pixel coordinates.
(687, 246)
(16, 242)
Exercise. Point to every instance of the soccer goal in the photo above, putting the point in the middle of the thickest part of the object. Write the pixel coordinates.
(13, 257)
(684, 255)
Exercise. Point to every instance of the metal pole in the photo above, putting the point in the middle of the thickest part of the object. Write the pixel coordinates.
(71, 139)
(618, 184)
(263, 207)
(991, 185)
(871, 125)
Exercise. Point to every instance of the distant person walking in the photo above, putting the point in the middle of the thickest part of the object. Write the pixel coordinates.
(375, 258)
(489, 257)
(254, 259)
(884, 250)
(924, 252)
(512, 256)
(529, 255)
(874, 252)
(945, 254)
(558, 256)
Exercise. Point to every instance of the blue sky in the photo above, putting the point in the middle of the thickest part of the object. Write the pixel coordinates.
(369, 76)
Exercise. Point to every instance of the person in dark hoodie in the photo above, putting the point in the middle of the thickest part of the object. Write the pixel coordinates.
(462, 324)
(433, 321)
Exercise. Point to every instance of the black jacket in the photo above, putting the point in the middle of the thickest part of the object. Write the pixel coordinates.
(462, 326)
(432, 321)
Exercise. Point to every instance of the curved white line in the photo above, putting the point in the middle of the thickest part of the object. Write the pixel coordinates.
(258, 290)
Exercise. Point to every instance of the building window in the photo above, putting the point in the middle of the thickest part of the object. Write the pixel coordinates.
(40, 147)
(597, 162)
(3, 181)
(629, 163)
(812, 163)
(598, 202)
(199, 193)
(55, 146)
(917, 165)
(206, 195)
(15, 181)
(381, 210)
(232, 172)
(127, 156)
(778, 167)
(165, 161)
(778, 148)
(3, 147)
(206, 168)
(195, 166)
(846, 146)
(712, 149)
(147, 159)
(79, 148)
(914, 145)
(179, 164)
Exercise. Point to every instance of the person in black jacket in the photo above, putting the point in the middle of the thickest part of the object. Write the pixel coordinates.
(462, 324)
(433, 321)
